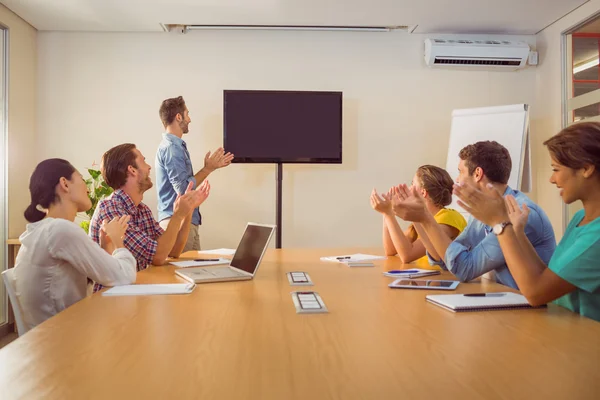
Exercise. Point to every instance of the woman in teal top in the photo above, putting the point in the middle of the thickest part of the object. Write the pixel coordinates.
(577, 260)
(572, 278)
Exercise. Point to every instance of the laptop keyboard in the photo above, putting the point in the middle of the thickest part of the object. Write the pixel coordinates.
(221, 272)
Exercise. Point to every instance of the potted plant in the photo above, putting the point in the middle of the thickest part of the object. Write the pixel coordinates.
(97, 190)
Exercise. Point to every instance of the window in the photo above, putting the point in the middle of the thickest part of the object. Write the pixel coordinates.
(3, 167)
(582, 89)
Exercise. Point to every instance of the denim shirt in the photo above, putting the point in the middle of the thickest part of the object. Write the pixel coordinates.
(173, 174)
(476, 250)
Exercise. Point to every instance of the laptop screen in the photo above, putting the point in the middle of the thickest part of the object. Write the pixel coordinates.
(251, 248)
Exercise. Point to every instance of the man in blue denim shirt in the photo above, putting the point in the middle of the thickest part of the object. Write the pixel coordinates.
(476, 250)
(174, 169)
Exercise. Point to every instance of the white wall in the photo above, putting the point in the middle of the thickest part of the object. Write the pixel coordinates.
(547, 114)
(98, 90)
(21, 116)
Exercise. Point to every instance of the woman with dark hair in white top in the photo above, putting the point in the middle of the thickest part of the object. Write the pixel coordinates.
(56, 257)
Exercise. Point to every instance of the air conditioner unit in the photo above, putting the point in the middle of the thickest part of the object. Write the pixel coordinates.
(497, 54)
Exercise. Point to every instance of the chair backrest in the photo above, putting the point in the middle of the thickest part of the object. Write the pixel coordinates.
(9, 281)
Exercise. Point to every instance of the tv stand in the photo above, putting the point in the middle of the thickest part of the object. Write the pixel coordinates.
(279, 180)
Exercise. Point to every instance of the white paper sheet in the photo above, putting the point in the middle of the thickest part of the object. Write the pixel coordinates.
(220, 252)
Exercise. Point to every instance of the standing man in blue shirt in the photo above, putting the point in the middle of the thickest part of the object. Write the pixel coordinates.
(476, 250)
(174, 169)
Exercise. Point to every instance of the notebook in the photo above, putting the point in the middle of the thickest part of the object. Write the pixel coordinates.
(152, 289)
(479, 301)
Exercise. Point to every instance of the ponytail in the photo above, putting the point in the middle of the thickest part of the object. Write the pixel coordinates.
(33, 214)
(438, 184)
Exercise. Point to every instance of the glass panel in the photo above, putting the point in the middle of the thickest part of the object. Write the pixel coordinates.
(584, 77)
(583, 113)
(585, 59)
(580, 88)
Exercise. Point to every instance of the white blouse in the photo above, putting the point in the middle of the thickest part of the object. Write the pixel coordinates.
(55, 259)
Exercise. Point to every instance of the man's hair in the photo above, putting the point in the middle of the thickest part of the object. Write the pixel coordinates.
(115, 163)
(577, 145)
(170, 108)
(491, 157)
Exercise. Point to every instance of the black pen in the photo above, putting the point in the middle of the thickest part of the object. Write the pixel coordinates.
(344, 258)
(484, 294)
(208, 259)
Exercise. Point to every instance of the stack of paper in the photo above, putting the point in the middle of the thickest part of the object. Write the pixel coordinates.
(220, 252)
(352, 258)
(146, 290)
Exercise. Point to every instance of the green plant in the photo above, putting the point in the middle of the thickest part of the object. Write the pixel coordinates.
(85, 225)
(97, 190)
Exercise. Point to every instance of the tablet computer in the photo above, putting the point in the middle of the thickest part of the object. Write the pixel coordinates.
(423, 284)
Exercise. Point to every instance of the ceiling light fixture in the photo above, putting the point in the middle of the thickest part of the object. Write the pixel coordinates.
(298, 28)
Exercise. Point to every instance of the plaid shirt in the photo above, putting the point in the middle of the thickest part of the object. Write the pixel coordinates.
(142, 232)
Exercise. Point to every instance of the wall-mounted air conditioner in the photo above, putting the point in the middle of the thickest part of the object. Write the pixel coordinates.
(497, 54)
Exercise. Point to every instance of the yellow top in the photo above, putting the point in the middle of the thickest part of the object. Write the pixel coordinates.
(446, 216)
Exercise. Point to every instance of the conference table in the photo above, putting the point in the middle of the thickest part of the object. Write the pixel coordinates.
(244, 340)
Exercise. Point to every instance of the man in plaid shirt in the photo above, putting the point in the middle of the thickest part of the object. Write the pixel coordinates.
(124, 168)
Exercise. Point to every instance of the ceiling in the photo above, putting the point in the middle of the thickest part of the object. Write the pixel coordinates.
(430, 16)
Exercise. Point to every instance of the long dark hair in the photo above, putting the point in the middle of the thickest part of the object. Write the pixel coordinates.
(42, 186)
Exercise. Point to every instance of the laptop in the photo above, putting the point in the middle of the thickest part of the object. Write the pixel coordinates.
(245, 262)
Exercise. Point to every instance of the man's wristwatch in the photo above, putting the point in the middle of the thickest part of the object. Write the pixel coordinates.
(499, 228)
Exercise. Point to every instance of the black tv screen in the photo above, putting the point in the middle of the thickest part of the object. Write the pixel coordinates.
(283, 126)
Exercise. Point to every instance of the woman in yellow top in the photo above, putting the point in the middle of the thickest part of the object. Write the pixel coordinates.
(435, 185)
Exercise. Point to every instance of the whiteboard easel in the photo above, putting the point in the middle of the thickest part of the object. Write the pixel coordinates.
(507, 125)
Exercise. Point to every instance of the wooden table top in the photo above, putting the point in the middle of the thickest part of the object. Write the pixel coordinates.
(235, 340)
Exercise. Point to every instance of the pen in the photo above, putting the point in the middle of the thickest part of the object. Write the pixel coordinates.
(484, 294)
(344, 258)
(208, 259)
(403, 271)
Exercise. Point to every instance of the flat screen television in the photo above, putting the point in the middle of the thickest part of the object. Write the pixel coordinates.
(261, 126)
